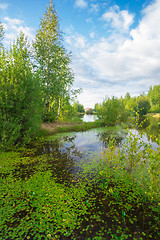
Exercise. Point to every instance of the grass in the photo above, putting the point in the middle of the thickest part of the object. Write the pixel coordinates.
(51, 128)
(117, 197)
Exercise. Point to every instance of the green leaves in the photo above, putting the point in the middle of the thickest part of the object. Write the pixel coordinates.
(19, 96)
(154, 97)
(111, 111)
(41, 205)
(104, 203)
(1, 32)
(123, 214)
(54, 71)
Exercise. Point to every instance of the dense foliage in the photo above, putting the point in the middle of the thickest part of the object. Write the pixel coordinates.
(35, 82)
(41, 197)
(54, 71)
(89, 111)
(1, 32)
(114, 110)
(111, 111)
(154, 98)
(78, 108)
(19, 95)
(116, 197)
(143, 106)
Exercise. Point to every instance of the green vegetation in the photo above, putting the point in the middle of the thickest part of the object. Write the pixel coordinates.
(89, 111)
(35, 82)
(111, 112)
(114, 198)
(154, 98)
(1, 32)
(126, 191)
(78, 108)
(39, 207)
(56, 77)
(114, 110)
(142, 107)
(76, 126)
(36, 86)
(20, 99)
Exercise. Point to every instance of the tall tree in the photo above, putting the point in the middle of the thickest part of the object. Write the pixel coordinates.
(78, 108)
(19, 95)
(142, 106)
(1, 32)
(111, 111)
(53, 62)
(154, 97)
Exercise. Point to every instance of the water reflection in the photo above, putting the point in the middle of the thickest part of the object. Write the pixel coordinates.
(62, 154)
(117, 136)
(89, 118)
(153, 127)
(58, 156)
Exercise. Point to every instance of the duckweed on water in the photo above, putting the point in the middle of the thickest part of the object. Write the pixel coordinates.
(116, 197)
(39, 207)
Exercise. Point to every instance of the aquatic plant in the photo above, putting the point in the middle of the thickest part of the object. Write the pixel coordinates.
(117, 197)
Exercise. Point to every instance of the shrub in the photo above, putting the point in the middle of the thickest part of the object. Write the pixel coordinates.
(20, 100)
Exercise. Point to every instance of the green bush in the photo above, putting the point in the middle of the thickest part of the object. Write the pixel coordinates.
(20, 99)
(112, 111)
(89, 111)
(143, 106)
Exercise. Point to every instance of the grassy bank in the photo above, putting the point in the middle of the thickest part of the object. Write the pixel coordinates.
(52, 128)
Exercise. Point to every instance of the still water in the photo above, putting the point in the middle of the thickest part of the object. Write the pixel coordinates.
(64, 153)
(89, 118)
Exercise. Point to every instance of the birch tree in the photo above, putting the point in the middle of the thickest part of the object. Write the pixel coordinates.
(53, 61)
(1, 32)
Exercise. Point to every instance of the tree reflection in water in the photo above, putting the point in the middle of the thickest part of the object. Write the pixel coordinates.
(63, 155)
(58, 156)
(106, 136)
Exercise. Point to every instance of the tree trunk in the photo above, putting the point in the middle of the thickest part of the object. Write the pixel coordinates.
(59, 107)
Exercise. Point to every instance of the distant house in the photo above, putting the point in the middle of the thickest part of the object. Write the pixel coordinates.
(87, 109)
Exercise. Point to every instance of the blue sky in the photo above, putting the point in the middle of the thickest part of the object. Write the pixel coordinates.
(115, 44)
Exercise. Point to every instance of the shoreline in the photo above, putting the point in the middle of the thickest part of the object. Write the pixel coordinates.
(53, 128)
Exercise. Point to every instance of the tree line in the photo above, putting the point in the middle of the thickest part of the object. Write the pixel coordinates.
(114, 110)
(35, 81)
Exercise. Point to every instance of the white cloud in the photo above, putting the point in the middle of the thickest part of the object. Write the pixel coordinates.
(3, 6)
(89, 20)
(77, 41)
(94, 7)
(13, 21)
(13, 27)
(92, 34)
(81, 4)
(116, 65)
(119, 20)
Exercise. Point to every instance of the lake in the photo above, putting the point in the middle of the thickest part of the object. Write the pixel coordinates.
(65, 152)
(89, 118)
